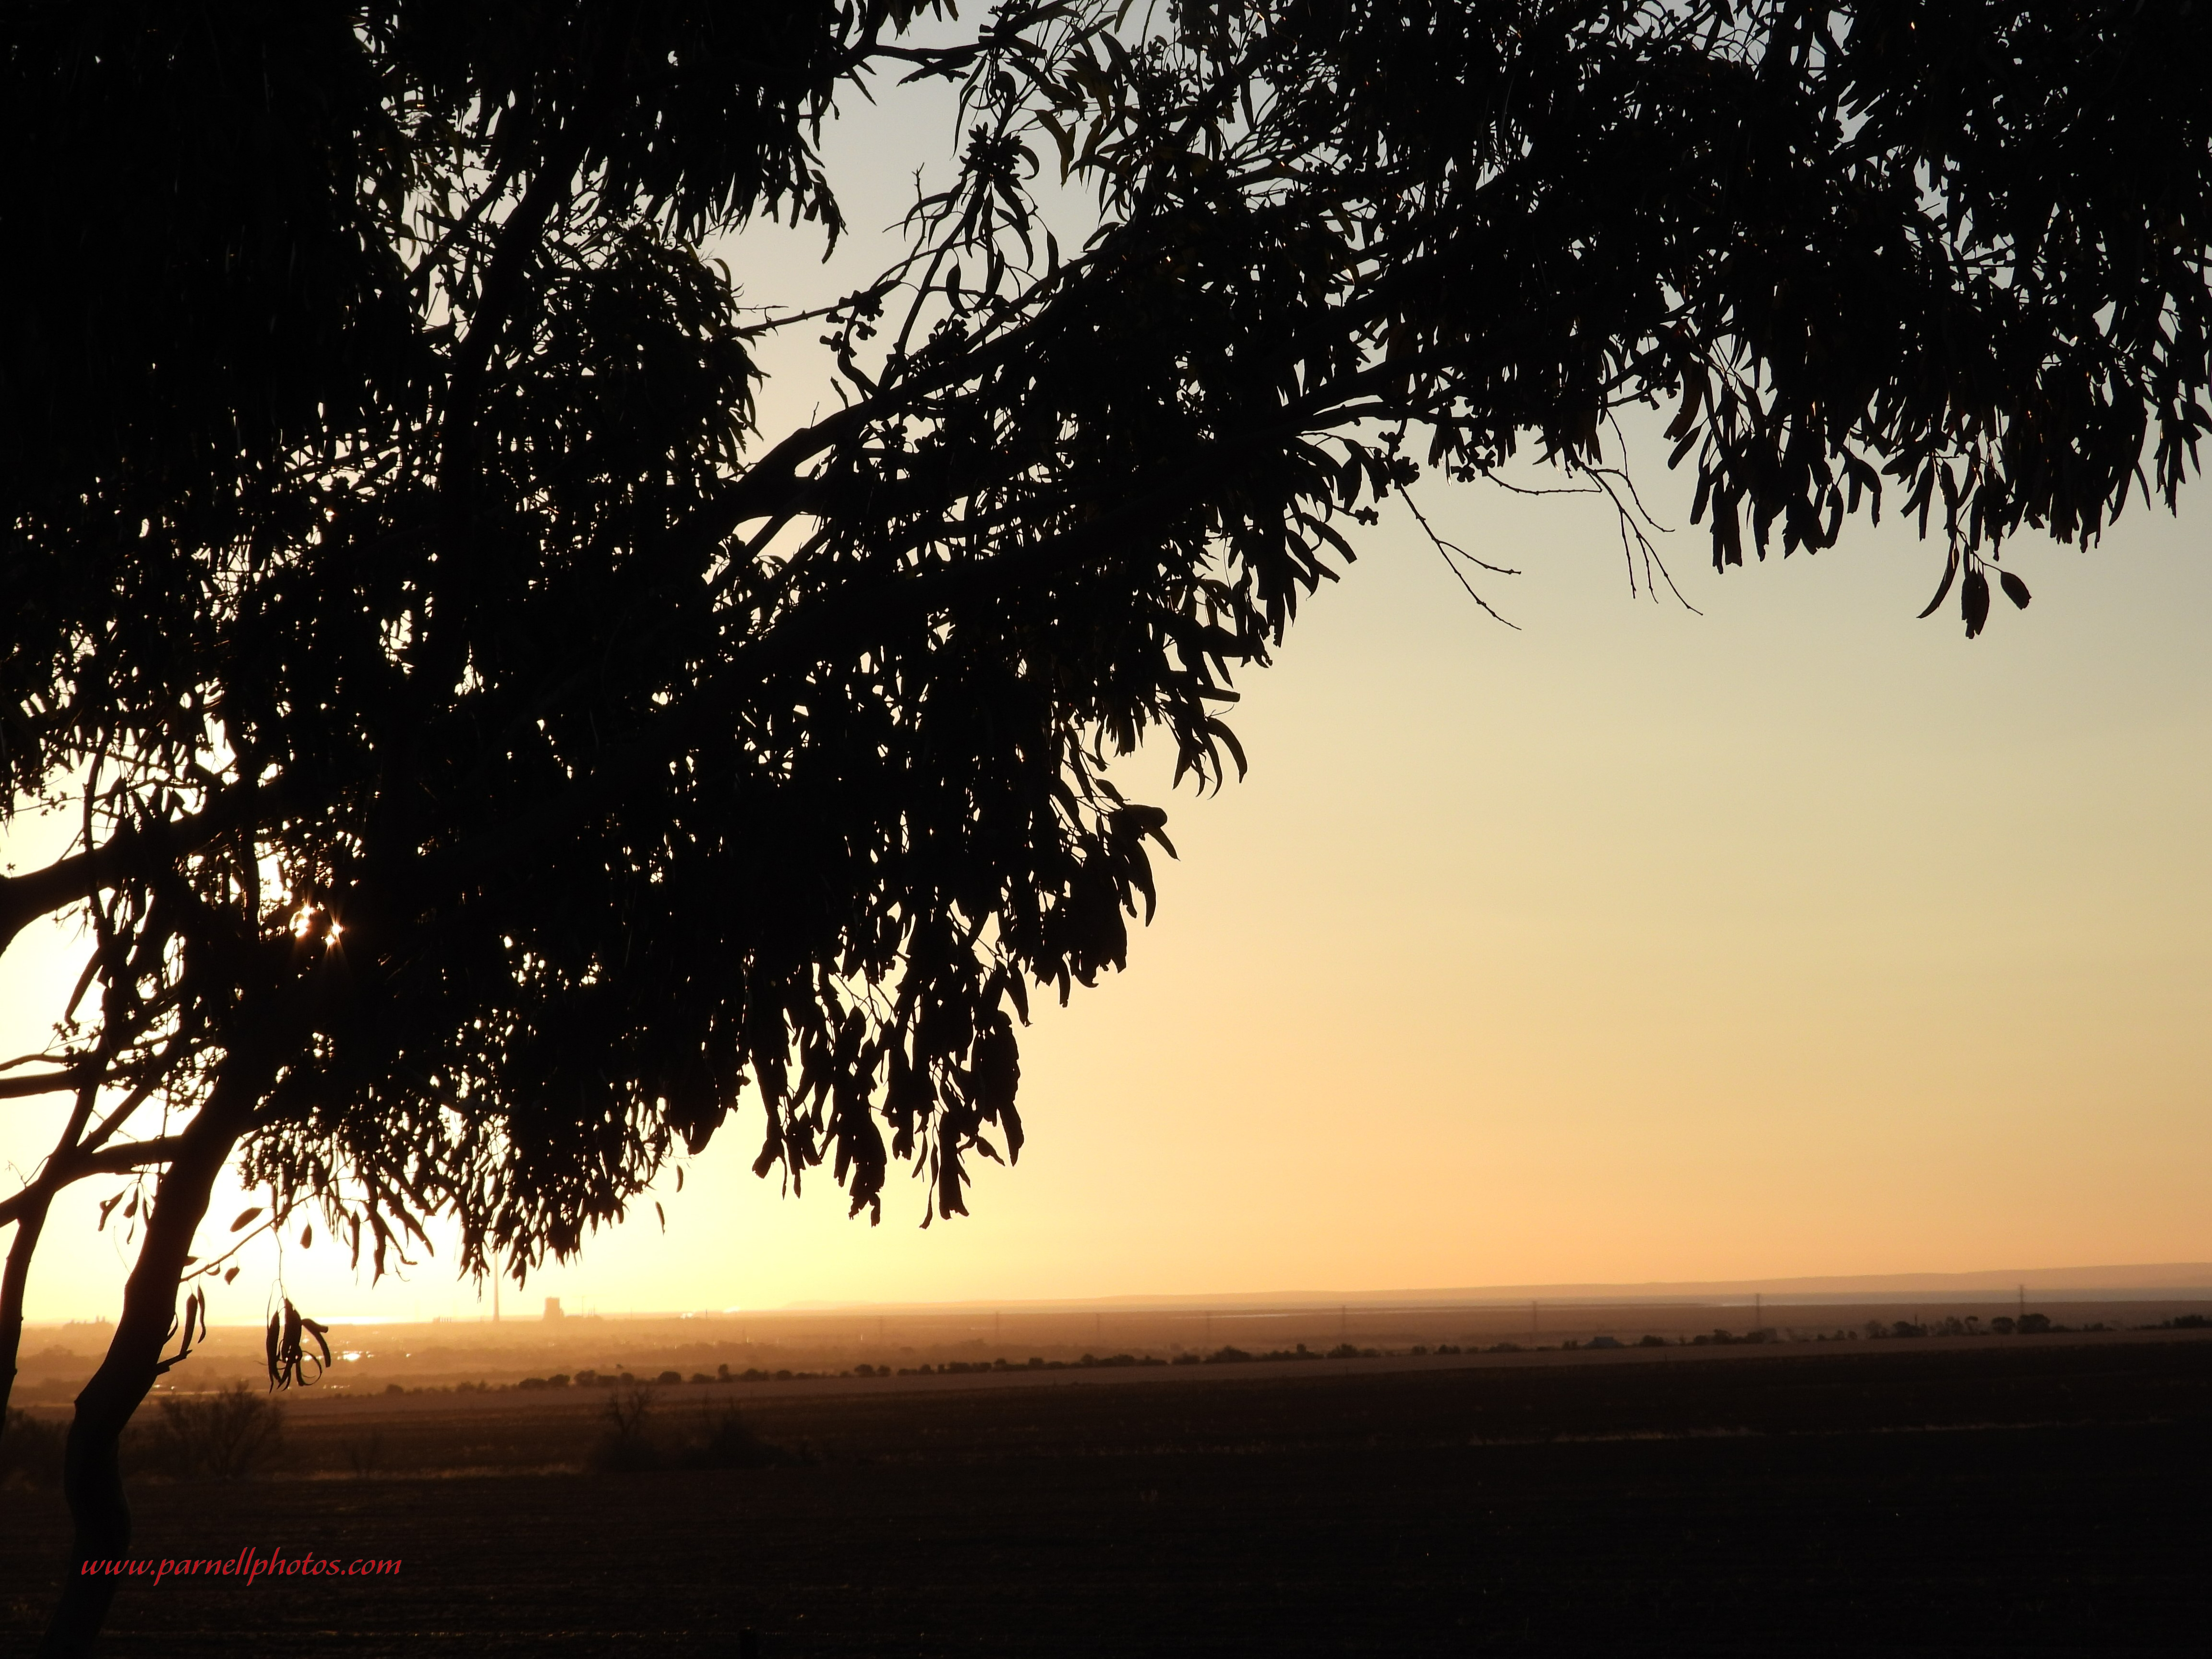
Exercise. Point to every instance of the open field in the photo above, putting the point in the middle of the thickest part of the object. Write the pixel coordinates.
(2049, 1495)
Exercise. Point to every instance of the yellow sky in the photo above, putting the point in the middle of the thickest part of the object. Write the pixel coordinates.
(1797, 937)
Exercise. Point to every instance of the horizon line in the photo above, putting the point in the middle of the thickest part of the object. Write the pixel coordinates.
(2125, 1282)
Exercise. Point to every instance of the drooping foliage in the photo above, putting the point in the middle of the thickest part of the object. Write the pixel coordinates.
(503, 756)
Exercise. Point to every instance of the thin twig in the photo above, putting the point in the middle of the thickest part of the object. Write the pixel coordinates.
(1446, 551)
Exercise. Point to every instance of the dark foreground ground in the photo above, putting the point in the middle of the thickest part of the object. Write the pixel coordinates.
(2015, 1498)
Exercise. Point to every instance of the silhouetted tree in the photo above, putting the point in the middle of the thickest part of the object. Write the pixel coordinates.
(491, 753)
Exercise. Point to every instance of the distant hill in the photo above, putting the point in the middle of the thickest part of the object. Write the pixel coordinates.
(2150, 1281)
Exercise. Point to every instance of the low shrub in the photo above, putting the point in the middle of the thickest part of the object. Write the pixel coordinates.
(626, 1447)
(634, 1441)
(725, 1440)
(225, 1435)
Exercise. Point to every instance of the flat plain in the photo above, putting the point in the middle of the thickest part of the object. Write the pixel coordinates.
(2022, 1496)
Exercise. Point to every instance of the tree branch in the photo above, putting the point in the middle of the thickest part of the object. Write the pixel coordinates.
(107, 1160)
(46, 1083)
(25, 898)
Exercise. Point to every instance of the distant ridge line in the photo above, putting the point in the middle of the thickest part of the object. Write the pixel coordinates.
(2135, 1280)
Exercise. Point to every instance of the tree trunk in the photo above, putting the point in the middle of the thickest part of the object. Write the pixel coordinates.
(92, 1472)
(28, 1225)
(40, 1196)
